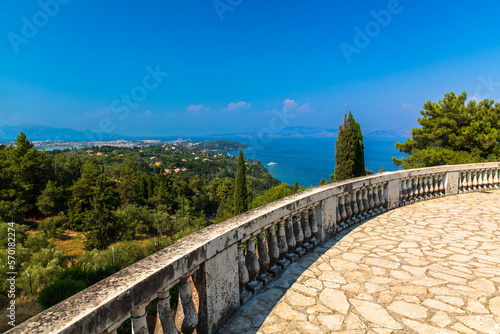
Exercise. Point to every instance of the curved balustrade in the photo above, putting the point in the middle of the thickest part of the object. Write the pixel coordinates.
(222, 266)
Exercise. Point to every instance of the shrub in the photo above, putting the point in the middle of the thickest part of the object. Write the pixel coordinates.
(87, 274)
(58, 291)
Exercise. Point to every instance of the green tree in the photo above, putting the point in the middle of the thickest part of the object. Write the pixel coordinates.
(101, 224)
(453, 132)
(51, 201)
(295, 188)
(240, 187)
(349, 155)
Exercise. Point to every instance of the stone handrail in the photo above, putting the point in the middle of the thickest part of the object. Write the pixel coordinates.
(231, 261)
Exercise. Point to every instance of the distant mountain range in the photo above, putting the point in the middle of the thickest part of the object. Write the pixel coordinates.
(315, 132)
(40, 133)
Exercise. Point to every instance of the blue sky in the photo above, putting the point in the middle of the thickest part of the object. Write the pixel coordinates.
(234, 64)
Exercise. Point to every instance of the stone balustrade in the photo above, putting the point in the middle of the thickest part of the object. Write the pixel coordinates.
(222, 266)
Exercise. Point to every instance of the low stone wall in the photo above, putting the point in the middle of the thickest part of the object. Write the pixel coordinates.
(230, 261)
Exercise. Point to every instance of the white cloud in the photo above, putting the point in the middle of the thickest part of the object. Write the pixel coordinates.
(292, 106)
(237, 106)
(197, 110)
(408, 107)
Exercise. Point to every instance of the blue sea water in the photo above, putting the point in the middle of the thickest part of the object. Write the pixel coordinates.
(307, 160)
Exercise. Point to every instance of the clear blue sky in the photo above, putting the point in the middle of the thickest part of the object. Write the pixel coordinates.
(230, 75)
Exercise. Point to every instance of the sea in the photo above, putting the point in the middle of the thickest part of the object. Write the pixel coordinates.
(307, 160)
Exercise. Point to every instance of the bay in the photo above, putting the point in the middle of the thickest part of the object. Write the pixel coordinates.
(307, 160)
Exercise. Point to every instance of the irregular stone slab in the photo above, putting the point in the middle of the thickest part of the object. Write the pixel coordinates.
(425, 329)
(476, 306)
(481, 323)
(409, 289)
(409, 310)
(441, 319)
(441, 306)
(335, 300)
(494, 305)
(483, 284)
(298, 299)
(375, 313)
(379, 262)
(284, 311)
(332, 322)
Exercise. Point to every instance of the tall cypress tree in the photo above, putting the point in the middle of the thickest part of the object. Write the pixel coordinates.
(240, 188)
(349, 155)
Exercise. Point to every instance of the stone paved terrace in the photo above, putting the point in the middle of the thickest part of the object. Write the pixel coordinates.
(428, 267)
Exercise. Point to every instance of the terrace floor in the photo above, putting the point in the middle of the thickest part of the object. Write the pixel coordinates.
(428, 267)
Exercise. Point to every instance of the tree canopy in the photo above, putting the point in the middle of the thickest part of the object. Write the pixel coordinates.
(453, 132)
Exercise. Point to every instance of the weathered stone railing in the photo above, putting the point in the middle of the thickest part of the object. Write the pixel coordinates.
(231, 261)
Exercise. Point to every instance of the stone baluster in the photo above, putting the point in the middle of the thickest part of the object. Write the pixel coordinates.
(361, 209)
(244, 278)
(314, 227)
(480, 179)
(343, 214)
(376, 200)
(469, 181)
(282, 245)
(299, 235)
(425, 186)
(496, 179)
(253, 266)
(441, 185)
(418, 193)
(489, 181)
(371, 203)
(348, 208)
(403, 192)
(186, 317)
(411, 191)
(113, 329)
(383, 200)
(355, 209)
(460, 183)
(264, 259)
(290, 239)
(364, 198)
(413, 183)
(274, 252)
(474, 180)
(433, 186)
(306, 228)
(138, 318)
(164, 321)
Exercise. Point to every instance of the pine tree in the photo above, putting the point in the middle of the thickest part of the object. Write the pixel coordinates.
(453, 132)
(101, 223)
(240, 188)
(295, 188)
(349, 155)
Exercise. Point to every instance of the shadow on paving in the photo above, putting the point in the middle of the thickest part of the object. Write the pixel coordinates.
(250, 317)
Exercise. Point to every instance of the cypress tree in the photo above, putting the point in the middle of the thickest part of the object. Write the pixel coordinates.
(240, 187)
(349, 155)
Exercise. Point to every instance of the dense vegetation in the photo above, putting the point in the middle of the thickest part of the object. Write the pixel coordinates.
(137, 199)
(453, 132)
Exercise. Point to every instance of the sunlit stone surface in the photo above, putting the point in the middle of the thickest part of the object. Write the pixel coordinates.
(429, 267)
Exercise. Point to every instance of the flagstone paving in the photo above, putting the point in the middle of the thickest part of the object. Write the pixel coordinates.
(429, 267)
